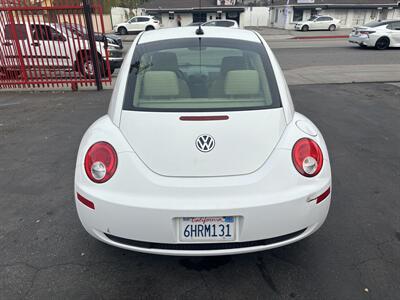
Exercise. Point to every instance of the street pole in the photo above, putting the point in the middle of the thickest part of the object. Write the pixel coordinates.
(87, 8)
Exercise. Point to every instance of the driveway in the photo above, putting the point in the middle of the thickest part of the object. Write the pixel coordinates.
(46, 254)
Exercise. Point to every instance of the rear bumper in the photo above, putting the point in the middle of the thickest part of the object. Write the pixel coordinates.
(143, 213)
(360, 40)
(274, 226)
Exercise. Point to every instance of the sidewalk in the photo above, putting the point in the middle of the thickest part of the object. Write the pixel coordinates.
(341, 74)
(281, 34)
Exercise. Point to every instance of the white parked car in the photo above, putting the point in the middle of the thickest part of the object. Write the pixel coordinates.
(201, 152)
(137, 24)
(53, 45)
(318, 23)
(378, 34)
(222, 23)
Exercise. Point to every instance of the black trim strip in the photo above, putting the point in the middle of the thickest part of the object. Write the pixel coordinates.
(204, 246)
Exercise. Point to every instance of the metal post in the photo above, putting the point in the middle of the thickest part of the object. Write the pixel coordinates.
(87, 8)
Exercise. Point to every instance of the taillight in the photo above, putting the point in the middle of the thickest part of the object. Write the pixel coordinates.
(367, 32)
(307, 157)
(101, 162)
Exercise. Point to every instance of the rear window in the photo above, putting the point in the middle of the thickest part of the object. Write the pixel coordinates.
(375, 24)
(201, 74)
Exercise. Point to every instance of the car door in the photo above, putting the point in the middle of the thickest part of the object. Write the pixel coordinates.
(15, 48)
(321, 23)
(16, 43)
(49, 46)
(314, 25)
(327, 22)
(394, 33)
(132, 24)
(142, 23)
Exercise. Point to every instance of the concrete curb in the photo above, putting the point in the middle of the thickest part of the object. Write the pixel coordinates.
(320, 37)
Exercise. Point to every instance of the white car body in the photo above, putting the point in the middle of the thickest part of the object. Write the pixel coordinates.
(318, 23)
(137, 24)
(222, 23)
(59, 48)
(372, 34)
(162, 178)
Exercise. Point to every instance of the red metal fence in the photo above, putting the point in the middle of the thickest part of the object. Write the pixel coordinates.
(52, 43)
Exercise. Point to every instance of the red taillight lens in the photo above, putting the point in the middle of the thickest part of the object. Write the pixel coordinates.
(307, 157)
(101, 162)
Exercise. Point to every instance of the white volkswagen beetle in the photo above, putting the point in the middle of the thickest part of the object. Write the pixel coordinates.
(201, 152)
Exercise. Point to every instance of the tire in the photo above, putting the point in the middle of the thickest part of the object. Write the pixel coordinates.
(122, 31)
(305, 28)
(363, 46)
(332, 27)
(149, 28)
(382, 44)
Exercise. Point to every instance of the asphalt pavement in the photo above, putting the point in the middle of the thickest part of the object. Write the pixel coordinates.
(46, 254)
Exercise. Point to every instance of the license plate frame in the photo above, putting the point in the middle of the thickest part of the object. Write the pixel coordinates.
(207, 229)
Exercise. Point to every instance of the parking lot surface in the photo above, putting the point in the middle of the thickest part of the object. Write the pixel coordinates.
(46, 254)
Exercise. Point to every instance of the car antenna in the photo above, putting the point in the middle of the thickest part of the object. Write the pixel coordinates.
(199, 31)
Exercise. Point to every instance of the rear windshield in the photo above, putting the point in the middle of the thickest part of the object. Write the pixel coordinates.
(375, 24)
(201, 74)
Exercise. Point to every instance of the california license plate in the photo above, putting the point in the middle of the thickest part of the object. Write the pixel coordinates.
(207, 229)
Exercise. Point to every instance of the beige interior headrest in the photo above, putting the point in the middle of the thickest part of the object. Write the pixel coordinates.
(242, 82)
(160, 84)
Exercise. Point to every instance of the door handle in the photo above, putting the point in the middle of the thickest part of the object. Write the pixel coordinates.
(7, 44)
(36, 44)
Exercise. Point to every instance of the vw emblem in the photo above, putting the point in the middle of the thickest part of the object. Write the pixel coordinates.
(205, 143)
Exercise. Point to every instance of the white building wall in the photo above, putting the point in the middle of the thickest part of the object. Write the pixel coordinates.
(119, 14)
(348, 17)
(255, 16)
(186, 19)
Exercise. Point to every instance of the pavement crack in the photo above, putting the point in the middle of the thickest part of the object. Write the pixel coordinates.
(265, 274)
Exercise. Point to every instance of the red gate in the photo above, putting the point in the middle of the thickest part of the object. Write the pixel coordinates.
(52, 43)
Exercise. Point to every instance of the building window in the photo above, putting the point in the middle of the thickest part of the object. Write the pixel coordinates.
(219, 15)
(297, 14)
(171, 15)
(199, 17)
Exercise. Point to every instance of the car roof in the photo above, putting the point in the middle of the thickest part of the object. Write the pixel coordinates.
(190, 32)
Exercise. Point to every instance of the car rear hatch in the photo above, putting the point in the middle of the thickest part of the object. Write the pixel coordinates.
(198, 108)
(168, 145)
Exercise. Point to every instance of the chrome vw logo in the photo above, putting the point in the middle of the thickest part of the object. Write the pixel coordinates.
(205, 143)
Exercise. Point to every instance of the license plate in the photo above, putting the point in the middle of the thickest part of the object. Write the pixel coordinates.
(207, 229)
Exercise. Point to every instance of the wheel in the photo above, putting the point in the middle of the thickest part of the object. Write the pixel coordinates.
(332, 27)
(304, 28)
(122, 31)
(383, 43)
(87, 67)
(149, 28)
